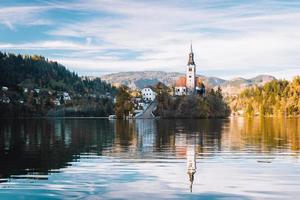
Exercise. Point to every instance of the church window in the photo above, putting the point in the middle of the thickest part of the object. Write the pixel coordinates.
(190, 76)
(190, 69)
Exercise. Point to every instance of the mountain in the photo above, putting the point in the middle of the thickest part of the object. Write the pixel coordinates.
(236, 85)
(262, 79)
(138, 80)
(141, 79)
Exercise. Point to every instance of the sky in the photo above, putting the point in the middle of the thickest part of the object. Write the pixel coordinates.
(231, 38)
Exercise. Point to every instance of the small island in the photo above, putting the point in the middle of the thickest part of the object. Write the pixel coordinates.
(187, 98)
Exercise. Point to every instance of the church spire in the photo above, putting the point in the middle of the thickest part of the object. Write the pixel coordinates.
(191, 56)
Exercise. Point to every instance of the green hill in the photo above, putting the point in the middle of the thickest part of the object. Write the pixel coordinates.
(33, 85)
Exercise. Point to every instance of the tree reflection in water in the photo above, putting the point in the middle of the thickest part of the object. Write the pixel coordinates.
(47, 145)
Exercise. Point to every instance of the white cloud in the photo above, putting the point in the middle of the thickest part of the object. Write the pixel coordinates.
(8, 24)
(88, 40)
(52, 45)
(241, 38)
(22, 15)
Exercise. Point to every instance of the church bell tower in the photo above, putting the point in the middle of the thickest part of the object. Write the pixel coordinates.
(191, 73)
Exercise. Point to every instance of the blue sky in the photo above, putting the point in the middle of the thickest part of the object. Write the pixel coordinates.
(95, 37)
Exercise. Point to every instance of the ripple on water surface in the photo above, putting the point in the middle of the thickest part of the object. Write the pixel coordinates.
(157, 159)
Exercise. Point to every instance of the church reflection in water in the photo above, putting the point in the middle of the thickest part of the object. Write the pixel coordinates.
(191, 164)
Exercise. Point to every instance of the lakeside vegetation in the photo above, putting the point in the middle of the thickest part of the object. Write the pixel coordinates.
(35, 86)
(276, 98)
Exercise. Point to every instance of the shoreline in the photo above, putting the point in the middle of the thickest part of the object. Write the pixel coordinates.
(156, 118)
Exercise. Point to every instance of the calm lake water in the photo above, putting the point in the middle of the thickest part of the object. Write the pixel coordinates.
(235, 158)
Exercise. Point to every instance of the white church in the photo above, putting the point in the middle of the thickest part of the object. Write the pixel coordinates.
(190, 83)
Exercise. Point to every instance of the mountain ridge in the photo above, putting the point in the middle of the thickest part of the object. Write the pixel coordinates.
(140, 79)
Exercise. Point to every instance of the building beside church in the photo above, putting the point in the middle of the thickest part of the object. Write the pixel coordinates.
(190, 83)
(148, 94)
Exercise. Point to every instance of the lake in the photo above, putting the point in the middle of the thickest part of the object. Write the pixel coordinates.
(235, 158)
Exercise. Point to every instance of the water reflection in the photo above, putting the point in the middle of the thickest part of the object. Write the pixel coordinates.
(50, 144)
(35, 149)
(191, 164)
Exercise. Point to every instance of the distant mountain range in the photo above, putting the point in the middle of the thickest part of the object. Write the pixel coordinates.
(141, 79)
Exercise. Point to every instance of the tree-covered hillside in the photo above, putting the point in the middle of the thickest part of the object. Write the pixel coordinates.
(278, 97)
(37, 72)
(35, 85)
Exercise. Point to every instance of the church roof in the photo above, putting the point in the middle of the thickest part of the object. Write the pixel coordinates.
(181, 82)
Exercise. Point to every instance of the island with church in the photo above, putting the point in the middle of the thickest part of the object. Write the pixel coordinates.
(187, 98)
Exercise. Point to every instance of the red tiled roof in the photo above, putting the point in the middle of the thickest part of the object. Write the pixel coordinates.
(181, 82)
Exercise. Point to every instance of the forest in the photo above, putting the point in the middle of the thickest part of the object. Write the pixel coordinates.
(33, 85)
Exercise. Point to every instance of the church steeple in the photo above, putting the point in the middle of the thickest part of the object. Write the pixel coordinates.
(191, 73)
(191, 56)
